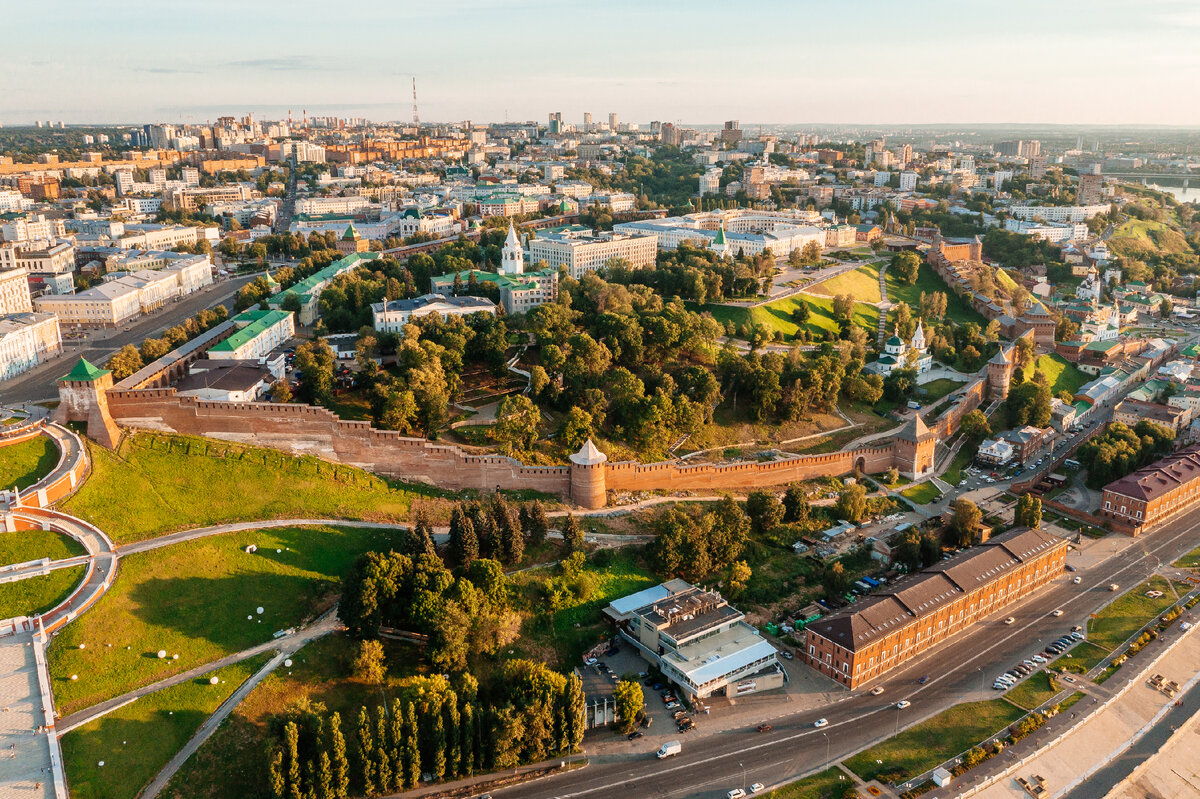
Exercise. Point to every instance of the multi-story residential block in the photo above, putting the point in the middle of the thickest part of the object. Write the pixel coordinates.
(14, 291)
(126, 295)
(1058, 213)
(887, 629)
(1090, 189)
(334, 205)
(908, 181)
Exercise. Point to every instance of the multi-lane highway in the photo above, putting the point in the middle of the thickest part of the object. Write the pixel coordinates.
(710, 766)
(40, 383)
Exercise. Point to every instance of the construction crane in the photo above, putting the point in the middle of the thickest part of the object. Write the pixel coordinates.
(416, 118)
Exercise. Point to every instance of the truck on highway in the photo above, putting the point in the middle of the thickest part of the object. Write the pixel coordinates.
(668, 749)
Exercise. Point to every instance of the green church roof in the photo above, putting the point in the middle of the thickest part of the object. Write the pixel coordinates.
(84, 371)
(720, 239)
(350, 233)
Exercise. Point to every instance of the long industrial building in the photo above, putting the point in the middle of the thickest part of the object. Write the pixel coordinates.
(884, 630)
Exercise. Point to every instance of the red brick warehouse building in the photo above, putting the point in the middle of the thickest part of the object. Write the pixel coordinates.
(917, 613)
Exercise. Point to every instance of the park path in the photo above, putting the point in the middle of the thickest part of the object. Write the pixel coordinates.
(209, 726)
(288, 644)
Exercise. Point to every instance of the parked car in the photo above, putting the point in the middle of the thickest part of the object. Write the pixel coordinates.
(633, 736)
(756, 787)
(1077, 580)
(821, 723)
(877, 690)
(736, 793)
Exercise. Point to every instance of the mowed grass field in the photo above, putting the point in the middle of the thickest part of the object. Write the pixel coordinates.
(24, 463)
(1035, 690)
(777, 315)
(920, 748)
(1124, 617)
(37, 595)
(827, 784)
(168, 483)
(194, 599)
(26, 545)
(135, 741)
(957, 309)
(1062, 374)
(862, 284)
(922, 493)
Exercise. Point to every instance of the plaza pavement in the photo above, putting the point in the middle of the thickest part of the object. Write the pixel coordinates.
(24, 751)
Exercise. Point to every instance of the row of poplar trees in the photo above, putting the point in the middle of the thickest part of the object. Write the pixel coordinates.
(499, 531)
(444, 736)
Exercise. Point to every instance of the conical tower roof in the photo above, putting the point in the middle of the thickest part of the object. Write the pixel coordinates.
(512, 240)
(589, 455)
(720, 239)
(915, 430)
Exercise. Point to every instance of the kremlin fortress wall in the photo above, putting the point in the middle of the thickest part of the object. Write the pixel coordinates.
(89, 396)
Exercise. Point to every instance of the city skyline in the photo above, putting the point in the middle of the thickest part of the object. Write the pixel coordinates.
(1066, 63)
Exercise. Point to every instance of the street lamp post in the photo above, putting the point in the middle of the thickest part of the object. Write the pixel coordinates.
(826, 737)
(743, 776)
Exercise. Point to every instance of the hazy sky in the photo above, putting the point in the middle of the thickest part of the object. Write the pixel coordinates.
(923, 61)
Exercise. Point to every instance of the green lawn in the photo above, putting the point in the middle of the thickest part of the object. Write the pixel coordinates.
(38, 594)
(954, 472)
(777, 315)
(1189, 561)
(920, 748)
(1124, 617)
(193, 599)
(922, 493)
(957, 309)
(1062, 374)
(827, 784)
(1031, 693)
(936, 389)
(1140, 238)
(134, 742)
(862, 284)
(1080, 659)
(171, 482)
(23, 464)
(26, 545)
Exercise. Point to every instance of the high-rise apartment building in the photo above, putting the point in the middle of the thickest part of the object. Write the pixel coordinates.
(1090, 189)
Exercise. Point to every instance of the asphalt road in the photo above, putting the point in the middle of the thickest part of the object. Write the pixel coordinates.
(959, 670)
(40, 383)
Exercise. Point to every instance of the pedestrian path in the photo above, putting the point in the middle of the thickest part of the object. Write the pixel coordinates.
(25, 747)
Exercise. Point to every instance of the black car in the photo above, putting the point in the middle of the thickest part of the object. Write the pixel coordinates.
(633, 736)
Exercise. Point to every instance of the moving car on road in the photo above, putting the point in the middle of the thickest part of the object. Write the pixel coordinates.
(821, 723)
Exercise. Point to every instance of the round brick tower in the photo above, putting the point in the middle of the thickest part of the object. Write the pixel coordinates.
(999, 374)
(588, 484)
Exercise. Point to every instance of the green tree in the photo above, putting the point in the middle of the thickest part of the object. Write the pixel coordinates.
(516, 427)
(739, 577)
(1029, 511)
(572, 534)
(281, 391)
(974, 426)
(764, 509)
(464, 545)
(538, 524)
(965, 521)
(369, 663)
(835, 578)
(291, 758)
(411, 752)
(576, 428)
(573, 710)
(124, 362)
(276, 775)
(905, 266)
(628, 697)
(851, 503)
(365, 754)
(339, 765)
(795, 503)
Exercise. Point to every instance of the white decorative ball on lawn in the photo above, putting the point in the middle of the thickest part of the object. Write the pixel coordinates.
(214, 680)
(74, 676)
(251, 549)
(101, 763)
(278, 551)
(162, 653)
(83, 646)
(288, 663)
(260, 610)
(250, 618)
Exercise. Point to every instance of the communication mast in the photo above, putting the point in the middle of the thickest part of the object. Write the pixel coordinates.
(416, 118)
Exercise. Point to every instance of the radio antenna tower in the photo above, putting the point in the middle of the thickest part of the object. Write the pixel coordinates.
(416, 118)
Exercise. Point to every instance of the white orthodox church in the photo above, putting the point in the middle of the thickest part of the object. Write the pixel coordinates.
(1102, 324)
(512, 256)
(1091, 288)
(898, 355)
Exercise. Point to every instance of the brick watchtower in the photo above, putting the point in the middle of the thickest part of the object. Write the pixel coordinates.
(83, 397)
(999, 374)
(914, 448)
(588, 483)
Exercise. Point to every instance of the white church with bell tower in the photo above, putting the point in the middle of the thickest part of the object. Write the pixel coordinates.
(512, 256)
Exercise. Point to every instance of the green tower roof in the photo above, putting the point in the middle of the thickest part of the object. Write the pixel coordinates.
(720, 239)
(350, 233)
(85, 371)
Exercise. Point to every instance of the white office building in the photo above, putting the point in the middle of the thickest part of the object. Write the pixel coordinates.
(392, 316)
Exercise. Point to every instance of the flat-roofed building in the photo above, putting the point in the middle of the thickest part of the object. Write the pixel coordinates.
(583, 251)
(1150, 495)
(698, 640)
(889, 628)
